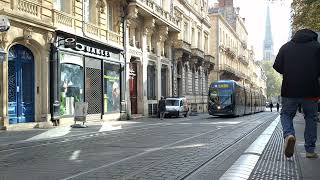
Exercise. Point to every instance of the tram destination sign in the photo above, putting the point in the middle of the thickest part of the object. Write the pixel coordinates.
(222, 86)
(73, 44)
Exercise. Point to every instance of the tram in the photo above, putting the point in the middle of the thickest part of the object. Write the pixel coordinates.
(228, 98)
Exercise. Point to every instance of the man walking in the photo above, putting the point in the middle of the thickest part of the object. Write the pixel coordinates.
(278, 107)
(162, 107)
(271, 106)
(299, 62)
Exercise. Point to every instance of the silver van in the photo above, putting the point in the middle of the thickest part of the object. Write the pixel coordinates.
(177, 106)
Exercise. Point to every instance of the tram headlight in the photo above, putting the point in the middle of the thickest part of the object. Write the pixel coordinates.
(218, 107)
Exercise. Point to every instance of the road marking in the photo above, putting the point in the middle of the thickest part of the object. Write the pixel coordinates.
(135, 156)
(52, 133)
(109, 127)
(244, 166)
(75, 155)
(83, 136)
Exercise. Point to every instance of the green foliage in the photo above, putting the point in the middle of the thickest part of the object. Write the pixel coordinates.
(306, 14)
(274, 80)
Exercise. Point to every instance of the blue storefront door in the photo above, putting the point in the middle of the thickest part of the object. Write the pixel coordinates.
(20, 85)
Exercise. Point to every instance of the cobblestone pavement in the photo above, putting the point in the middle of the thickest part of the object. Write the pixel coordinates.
(170, 149)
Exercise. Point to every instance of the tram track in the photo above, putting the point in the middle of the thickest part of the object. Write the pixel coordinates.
(84, 136)
(171, 145)
(238, 140)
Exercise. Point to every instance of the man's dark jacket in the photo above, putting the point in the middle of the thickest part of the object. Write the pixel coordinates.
(299, 63)
(162, 105)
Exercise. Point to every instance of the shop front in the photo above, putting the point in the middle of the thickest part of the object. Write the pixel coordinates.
(86, 72)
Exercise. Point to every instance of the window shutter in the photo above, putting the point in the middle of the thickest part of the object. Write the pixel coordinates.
(110, 17)
(87, 11)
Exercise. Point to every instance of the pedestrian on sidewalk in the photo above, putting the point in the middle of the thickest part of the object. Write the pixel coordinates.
(278, 107)
(299, 62)
(162, 107)
(271, 106)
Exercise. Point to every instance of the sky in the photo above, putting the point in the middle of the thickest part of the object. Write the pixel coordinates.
(254, 12)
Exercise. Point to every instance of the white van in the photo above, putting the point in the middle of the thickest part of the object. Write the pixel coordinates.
(177, 106)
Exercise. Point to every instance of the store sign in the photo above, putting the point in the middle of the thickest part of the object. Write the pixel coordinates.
(71, 43)
(4, 23)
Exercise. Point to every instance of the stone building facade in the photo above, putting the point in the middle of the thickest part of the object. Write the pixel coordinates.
(42, 77)
(192, 62)
(234, 59)
(167, 53)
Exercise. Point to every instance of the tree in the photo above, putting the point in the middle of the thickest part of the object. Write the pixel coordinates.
(306, 14)
(273, 80)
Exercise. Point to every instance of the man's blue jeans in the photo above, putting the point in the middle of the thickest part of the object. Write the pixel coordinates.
(310, 108)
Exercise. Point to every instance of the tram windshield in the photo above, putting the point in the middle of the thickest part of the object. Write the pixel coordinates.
(220, 96)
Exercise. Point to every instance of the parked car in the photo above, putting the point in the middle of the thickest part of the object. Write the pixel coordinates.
(177, 106)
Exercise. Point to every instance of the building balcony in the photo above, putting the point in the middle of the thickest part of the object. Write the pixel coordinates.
(28, 7)
(209, 58)
(243, 59)
(96, 32)
(182, 45)
(197, 53)
(157, 11)
(227, 68)
(244, 44)
(63, 21)
(209, 62)
(231, 52)
(113, 38)
(236, 74)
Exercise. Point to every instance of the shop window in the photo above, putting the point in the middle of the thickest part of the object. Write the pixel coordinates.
(71, 83)
(151, 82)
(111, 88)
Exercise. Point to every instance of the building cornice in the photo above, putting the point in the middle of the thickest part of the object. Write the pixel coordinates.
(39, 23)
(202, 19)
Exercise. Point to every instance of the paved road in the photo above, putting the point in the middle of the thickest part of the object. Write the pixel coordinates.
(201, 147)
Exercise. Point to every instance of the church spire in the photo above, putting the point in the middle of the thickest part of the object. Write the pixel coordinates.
(268, 53)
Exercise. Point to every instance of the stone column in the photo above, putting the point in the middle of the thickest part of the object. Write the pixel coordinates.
(176, 58)
(148, 28)
(4, 120)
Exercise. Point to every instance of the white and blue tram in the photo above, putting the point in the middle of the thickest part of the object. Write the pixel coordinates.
(227, 97)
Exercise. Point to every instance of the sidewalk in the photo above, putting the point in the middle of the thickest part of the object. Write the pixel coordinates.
(272, 164)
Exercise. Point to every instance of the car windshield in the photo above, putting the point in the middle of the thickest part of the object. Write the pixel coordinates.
(172, 102)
